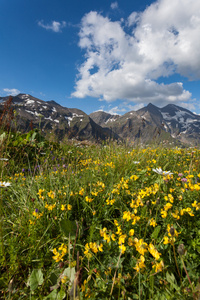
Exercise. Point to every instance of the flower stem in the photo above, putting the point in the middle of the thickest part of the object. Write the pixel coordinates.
(176, 262)
(188, 276)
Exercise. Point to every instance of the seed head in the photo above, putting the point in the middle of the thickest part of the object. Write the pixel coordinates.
(181, 249)
(172, 231)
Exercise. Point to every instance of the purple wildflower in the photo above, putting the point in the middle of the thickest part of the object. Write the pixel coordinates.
(184, 179)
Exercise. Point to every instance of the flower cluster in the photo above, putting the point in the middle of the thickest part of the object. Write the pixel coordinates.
(60, 253)
(94, 247)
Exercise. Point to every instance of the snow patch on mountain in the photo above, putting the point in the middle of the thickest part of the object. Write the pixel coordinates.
(29, 102)
(49, 118)
(110, 120)
(29, 111)
(180, 116)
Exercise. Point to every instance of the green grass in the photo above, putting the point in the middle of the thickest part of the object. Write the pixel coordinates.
(97, 222)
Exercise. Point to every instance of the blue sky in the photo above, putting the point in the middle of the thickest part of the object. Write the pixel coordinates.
(114, 56)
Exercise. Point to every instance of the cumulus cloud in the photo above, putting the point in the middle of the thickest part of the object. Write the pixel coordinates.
(114, 5)
(127, 60)
(114, 110)
(189, 106)
(54, 25)
(12, 92)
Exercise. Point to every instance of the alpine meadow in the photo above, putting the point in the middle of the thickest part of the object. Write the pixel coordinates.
(97, 220)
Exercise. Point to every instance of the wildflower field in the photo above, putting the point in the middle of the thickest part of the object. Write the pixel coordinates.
(99, 221)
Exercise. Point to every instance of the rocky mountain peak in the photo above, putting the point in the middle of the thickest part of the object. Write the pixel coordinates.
(55, 121)
(172, 122)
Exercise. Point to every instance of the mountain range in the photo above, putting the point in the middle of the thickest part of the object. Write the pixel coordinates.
(171, 124)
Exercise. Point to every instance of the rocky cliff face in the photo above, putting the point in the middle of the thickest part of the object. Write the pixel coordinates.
(55, 121)
(172, 123)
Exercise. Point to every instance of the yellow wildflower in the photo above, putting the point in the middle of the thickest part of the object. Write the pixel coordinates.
(69, 207)
(122, 239)
(87, 199)
(188, 210)
(131, 232)
(134, 177)
(130, 242)
(154, 252)
(81, 192)
(196, 204)
(63, 248)
(51, 194)
(35, 213)
(101, 247)
(116, 223)
(63, 279)
(140, 263)
(153, 222)
(62, 207)
(163, 213)
(113, 236)
(171, 198)
(93, 247)
(166, 240)
(175, 215)
(167, 206)
(127, 215)
(122, 248)
(158, 266)
(140, 246)
(135, 219)
(119, 231)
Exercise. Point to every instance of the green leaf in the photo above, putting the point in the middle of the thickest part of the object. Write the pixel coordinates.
(51, 296)
(171, 279)
(35, 279)
(32, 138)
(68, 227)
(54, 277)
(61, 295)
(156, 232)
(70, 273)
(142, 172)
(135, 296)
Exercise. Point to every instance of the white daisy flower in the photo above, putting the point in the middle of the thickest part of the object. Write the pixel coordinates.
(4, 184)
(161, 172)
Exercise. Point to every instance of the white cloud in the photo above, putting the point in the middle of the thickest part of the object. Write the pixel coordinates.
(127, 66)
(134, 107)
(54, 25)
(12, 92)
(189, 106)
(116, 110)
(114, 5)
